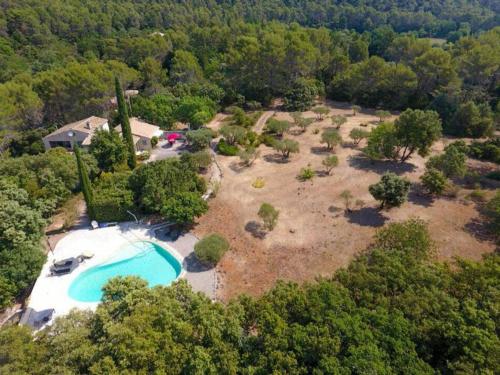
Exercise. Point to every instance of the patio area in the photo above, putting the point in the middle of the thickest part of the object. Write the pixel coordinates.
(50, 298)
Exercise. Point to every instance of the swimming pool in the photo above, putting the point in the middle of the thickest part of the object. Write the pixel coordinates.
(142, 258)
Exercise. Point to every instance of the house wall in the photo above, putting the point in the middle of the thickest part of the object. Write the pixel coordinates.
(143, 144)
(63, 140)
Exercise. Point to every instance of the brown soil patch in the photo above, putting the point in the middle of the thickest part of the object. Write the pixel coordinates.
(313, 236)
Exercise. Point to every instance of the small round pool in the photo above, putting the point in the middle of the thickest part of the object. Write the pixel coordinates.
(144, 259)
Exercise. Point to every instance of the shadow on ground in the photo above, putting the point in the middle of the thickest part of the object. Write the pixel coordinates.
(481, 229)
(380, 167)
(192, 264)
(366, 217)
(320, 150)
(419, 197)
(255, 229)
(276, 158)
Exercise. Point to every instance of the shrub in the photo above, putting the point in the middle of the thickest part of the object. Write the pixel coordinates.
(248, 156)
(154, 141)
(199, 160)
(259, 183)
(477, 195)
(489, 150)
(183, 208)
(493, 212)
(277, 127)
(145, 155)
(286, 147)
(200, 138)
(306, 174)
(269, 215)
(338, 121)
(357, 135)
(267, 139)
(330, 162)
(434, 181)
(331, 137)
(391, 190)
(347, 196)
(211, 248)
(451, 163)
(233, 134)
(225, 149)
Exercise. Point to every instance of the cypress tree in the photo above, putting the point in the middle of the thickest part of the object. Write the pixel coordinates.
(85, 183)
(125, 124)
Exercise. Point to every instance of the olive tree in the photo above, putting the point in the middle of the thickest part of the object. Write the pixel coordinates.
(248, 156)
(286, 147)
(338, 121)
(355, 109)
(321, 112)
(269, 216)
(357, 135)
(347, 196)
(301, 121)
(233, 134)
(278, 127)
(330, 162)
(331, 137)
(382, 115)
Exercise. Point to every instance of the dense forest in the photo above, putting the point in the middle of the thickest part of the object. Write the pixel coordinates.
(393, 311)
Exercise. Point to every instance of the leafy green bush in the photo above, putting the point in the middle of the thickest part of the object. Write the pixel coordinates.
(306, 174)
(225, 149)
(269, 215)
(267, 139)
(489, 150)
(183, 208)
(200, 138)
(211, 248)
(434, 181)
(391, 191)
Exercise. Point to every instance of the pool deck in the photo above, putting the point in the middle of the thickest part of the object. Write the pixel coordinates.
(51, 292)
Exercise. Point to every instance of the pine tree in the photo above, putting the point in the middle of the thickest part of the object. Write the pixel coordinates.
(125, 124)
(85, 183)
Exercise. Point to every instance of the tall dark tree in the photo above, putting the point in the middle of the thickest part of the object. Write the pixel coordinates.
(125, 124)
(85, 183)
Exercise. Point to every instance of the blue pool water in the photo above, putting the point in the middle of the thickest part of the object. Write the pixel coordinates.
(144, 259)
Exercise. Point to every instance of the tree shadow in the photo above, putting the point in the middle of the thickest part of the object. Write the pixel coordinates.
(380, 167)
(419, 197)
(320, 150)
(255, 229)
(237, 167)
(366, 217)
(192, 264)
(322, 173)
(276, 158)
(480, 229)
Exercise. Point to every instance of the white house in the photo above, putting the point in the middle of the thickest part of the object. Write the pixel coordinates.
(81, 131)
(142, 133)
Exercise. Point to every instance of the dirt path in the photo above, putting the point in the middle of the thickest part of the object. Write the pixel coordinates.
(261, 122)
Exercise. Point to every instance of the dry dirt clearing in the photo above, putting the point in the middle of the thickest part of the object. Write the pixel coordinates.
(313, 236)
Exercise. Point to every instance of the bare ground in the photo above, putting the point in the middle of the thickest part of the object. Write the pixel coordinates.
(314, 236)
